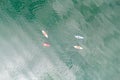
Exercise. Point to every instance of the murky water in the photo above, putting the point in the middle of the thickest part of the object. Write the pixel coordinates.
(22, 56)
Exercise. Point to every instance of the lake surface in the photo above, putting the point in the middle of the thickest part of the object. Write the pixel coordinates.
(23, 56)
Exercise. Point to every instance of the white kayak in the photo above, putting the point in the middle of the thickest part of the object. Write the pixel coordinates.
(79, 37)
(44, 33)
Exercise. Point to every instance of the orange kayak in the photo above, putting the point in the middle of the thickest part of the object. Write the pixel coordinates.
(77, 47)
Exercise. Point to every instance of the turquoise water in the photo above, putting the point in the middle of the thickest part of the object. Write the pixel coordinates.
(22, 56)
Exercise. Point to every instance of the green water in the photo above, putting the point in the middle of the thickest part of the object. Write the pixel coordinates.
(22, 56)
